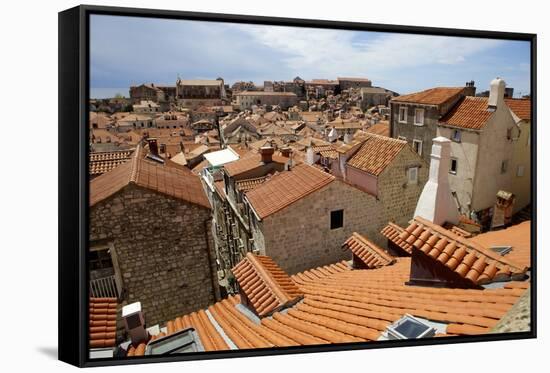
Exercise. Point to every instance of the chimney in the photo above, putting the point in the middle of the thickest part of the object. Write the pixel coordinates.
(134, 322)
(436, 203)
(496, 93)
(153, 146)
(470, 89)
(267, 153)
(310, 156)
(348, 137)
(285, 152)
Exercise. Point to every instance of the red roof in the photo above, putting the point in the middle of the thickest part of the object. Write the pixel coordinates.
(376, 153)
(103, 313)
(267, 287)
(432, 96)
(520, 107)
(372, 255)
(174, 182)
(392, 232)
(287, 187)
(470, 112)
(465, 257)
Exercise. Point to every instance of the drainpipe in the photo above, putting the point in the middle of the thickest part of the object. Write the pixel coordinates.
(213, 276)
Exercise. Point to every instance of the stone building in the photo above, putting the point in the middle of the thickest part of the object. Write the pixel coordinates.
(347, 83)
(521, 159)
(152, 92)
(193, 93)
(301, 215)
(482, 132)
(374, 96)
(150, 239)
(146, 106)
(245, 100)
(415, 117)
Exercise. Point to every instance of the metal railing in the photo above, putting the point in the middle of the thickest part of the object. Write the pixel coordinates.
(104, 287)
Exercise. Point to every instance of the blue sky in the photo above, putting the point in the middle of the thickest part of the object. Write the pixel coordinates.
(127, 51)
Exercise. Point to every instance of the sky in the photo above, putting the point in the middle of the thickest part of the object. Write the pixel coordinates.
(128, 51)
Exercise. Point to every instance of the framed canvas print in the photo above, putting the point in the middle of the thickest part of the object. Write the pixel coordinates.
(233, 186)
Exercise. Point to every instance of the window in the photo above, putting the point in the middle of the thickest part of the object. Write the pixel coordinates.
(502, 250)
(403, 114)
(419, 117)
(336, 219)
(409, 327)
(521, 171)
(504, 167)
(456, 136)
(417, 146)
(402, 138)
(412, 175)
(454, 166)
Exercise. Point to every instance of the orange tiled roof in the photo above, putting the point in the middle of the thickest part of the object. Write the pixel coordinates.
(520, 107)
(101, 162)
(469, 112)
(372, 255)
(376, 153)
(174, 182)
(249, 162)
(381, 128)
(432, 96)
(518, 236)
(341, 305)
(103, 322)
(464, 256)
(286, 188)
(248, 184)
(267, 287)
(392, 232)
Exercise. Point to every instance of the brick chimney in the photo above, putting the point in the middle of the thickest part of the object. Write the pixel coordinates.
(267, 153)
(496, 93)
(470, 88)
(285, 152)
(436, 203)
(153, 146)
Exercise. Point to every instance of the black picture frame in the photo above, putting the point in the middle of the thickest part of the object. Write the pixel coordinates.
(74, 180)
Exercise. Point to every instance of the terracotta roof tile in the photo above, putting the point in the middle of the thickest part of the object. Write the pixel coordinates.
(248, 184)
(344, 305)
(286, 188)
(372, 255)
(381, 128)
(101, 162)
(376, 153)
(464, 256)
(266, 286)
(517, 236)
(103, 312)
(392, 232)
(432, 96)
(520, 107)
(174, 182)
(469, 112)
(250, 162)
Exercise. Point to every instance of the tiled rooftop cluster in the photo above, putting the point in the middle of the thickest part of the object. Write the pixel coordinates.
(376, 153)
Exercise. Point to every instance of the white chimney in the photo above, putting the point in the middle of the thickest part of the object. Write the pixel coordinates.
(333, 135)
(436, 203)
(134, 321)
(310, 156)
(348, 137)
(496, 94)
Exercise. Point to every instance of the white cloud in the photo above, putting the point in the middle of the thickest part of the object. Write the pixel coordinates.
(329, 52)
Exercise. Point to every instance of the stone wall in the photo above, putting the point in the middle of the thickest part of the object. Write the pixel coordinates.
(397, 195)
(164, 251)
(299, 237)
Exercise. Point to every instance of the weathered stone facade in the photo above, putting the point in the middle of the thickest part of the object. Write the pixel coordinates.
(164, 250)
(299, 237)
(398, 196)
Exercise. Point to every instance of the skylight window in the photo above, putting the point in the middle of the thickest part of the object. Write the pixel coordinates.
(409, 327)
(183, 341)
(502, 250)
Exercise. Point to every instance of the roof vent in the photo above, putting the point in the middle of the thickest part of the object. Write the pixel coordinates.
(502, 250)
(409, 327)
(134, 321)
(183, 341)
